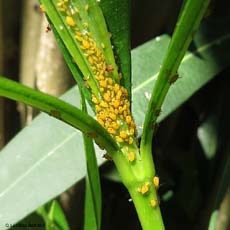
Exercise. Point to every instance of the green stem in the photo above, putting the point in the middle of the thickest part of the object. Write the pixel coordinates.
(187, 24)
(134, 175)
(149, 217)
(60, 110)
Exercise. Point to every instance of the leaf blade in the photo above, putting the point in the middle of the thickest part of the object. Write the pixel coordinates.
(92, 217)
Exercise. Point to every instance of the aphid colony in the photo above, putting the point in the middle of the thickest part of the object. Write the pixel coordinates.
(111, 104)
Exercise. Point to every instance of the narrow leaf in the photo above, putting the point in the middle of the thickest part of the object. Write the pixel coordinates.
(188, 22)
(53, 216)
(92, 217)
(117, 15)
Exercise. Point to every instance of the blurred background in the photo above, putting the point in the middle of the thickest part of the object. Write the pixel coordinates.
(190, 179)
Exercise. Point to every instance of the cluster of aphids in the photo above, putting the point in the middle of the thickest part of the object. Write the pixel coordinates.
(111, 104)
(145, 188)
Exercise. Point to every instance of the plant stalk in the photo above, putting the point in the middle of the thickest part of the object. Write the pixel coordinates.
(190, 18)
(135, 175)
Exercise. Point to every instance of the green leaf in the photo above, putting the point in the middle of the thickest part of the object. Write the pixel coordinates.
(47, 157)
(212, 222)
(207, 134)
(186, 26)
(73, 68)
(53, 216)
(92, 217)
(82, 28)
(57, 216)
(117, 15)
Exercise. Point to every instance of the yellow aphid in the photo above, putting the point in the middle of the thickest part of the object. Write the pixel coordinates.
(123, 134)
(107, 97)
(116, 104)
(98, 108)
(116, 88)
(131, 131)
(115, 125)
(94, 99)
(110, 81)
(118, 139)
(79, 38)
(69, 20)
(111, 131)
(113, 116)
(60, 4)
(120, 109)
(132, 124)
(93, 44)
(90, 59)
(103, 84)
(153, 203)
(130, 140)
(42, 8)
(102, 45)
(90, 52)
(95, 58)
(131, 156)
(102, 115)
(128, 119)
(86, 7)
(144, 189)
(104, 104)
(156, 181)
(102, 89)
(125, 92)
(118, 95)
(85, 44)
(127, 103)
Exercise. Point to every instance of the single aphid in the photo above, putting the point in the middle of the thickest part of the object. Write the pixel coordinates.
(42, 8)
(123, 134)
(145, 188)
(102, 45)
(156, 182)
(153, 203)
(131, 157)
(69, 20)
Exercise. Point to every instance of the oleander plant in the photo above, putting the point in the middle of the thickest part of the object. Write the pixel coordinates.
(110, 119)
